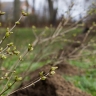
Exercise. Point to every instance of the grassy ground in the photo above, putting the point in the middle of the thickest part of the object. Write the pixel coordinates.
(86, 82)
(22, 37)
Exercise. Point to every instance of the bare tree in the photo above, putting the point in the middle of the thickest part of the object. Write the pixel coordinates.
(27, 5)
(17, 9)
(0, 5)
(33, 6)
(91, 10)
(0, 9)
(52, 12)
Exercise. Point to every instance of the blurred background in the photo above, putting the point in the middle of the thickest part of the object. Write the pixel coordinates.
(43, 12)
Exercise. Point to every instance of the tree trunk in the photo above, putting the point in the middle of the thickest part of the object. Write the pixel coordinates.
(52, 12)
(27, 5)
(33, 6)
(17, 10)
(0, 10)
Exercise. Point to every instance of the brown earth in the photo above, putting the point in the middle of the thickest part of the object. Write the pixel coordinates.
(68, 69)
(53, 86)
